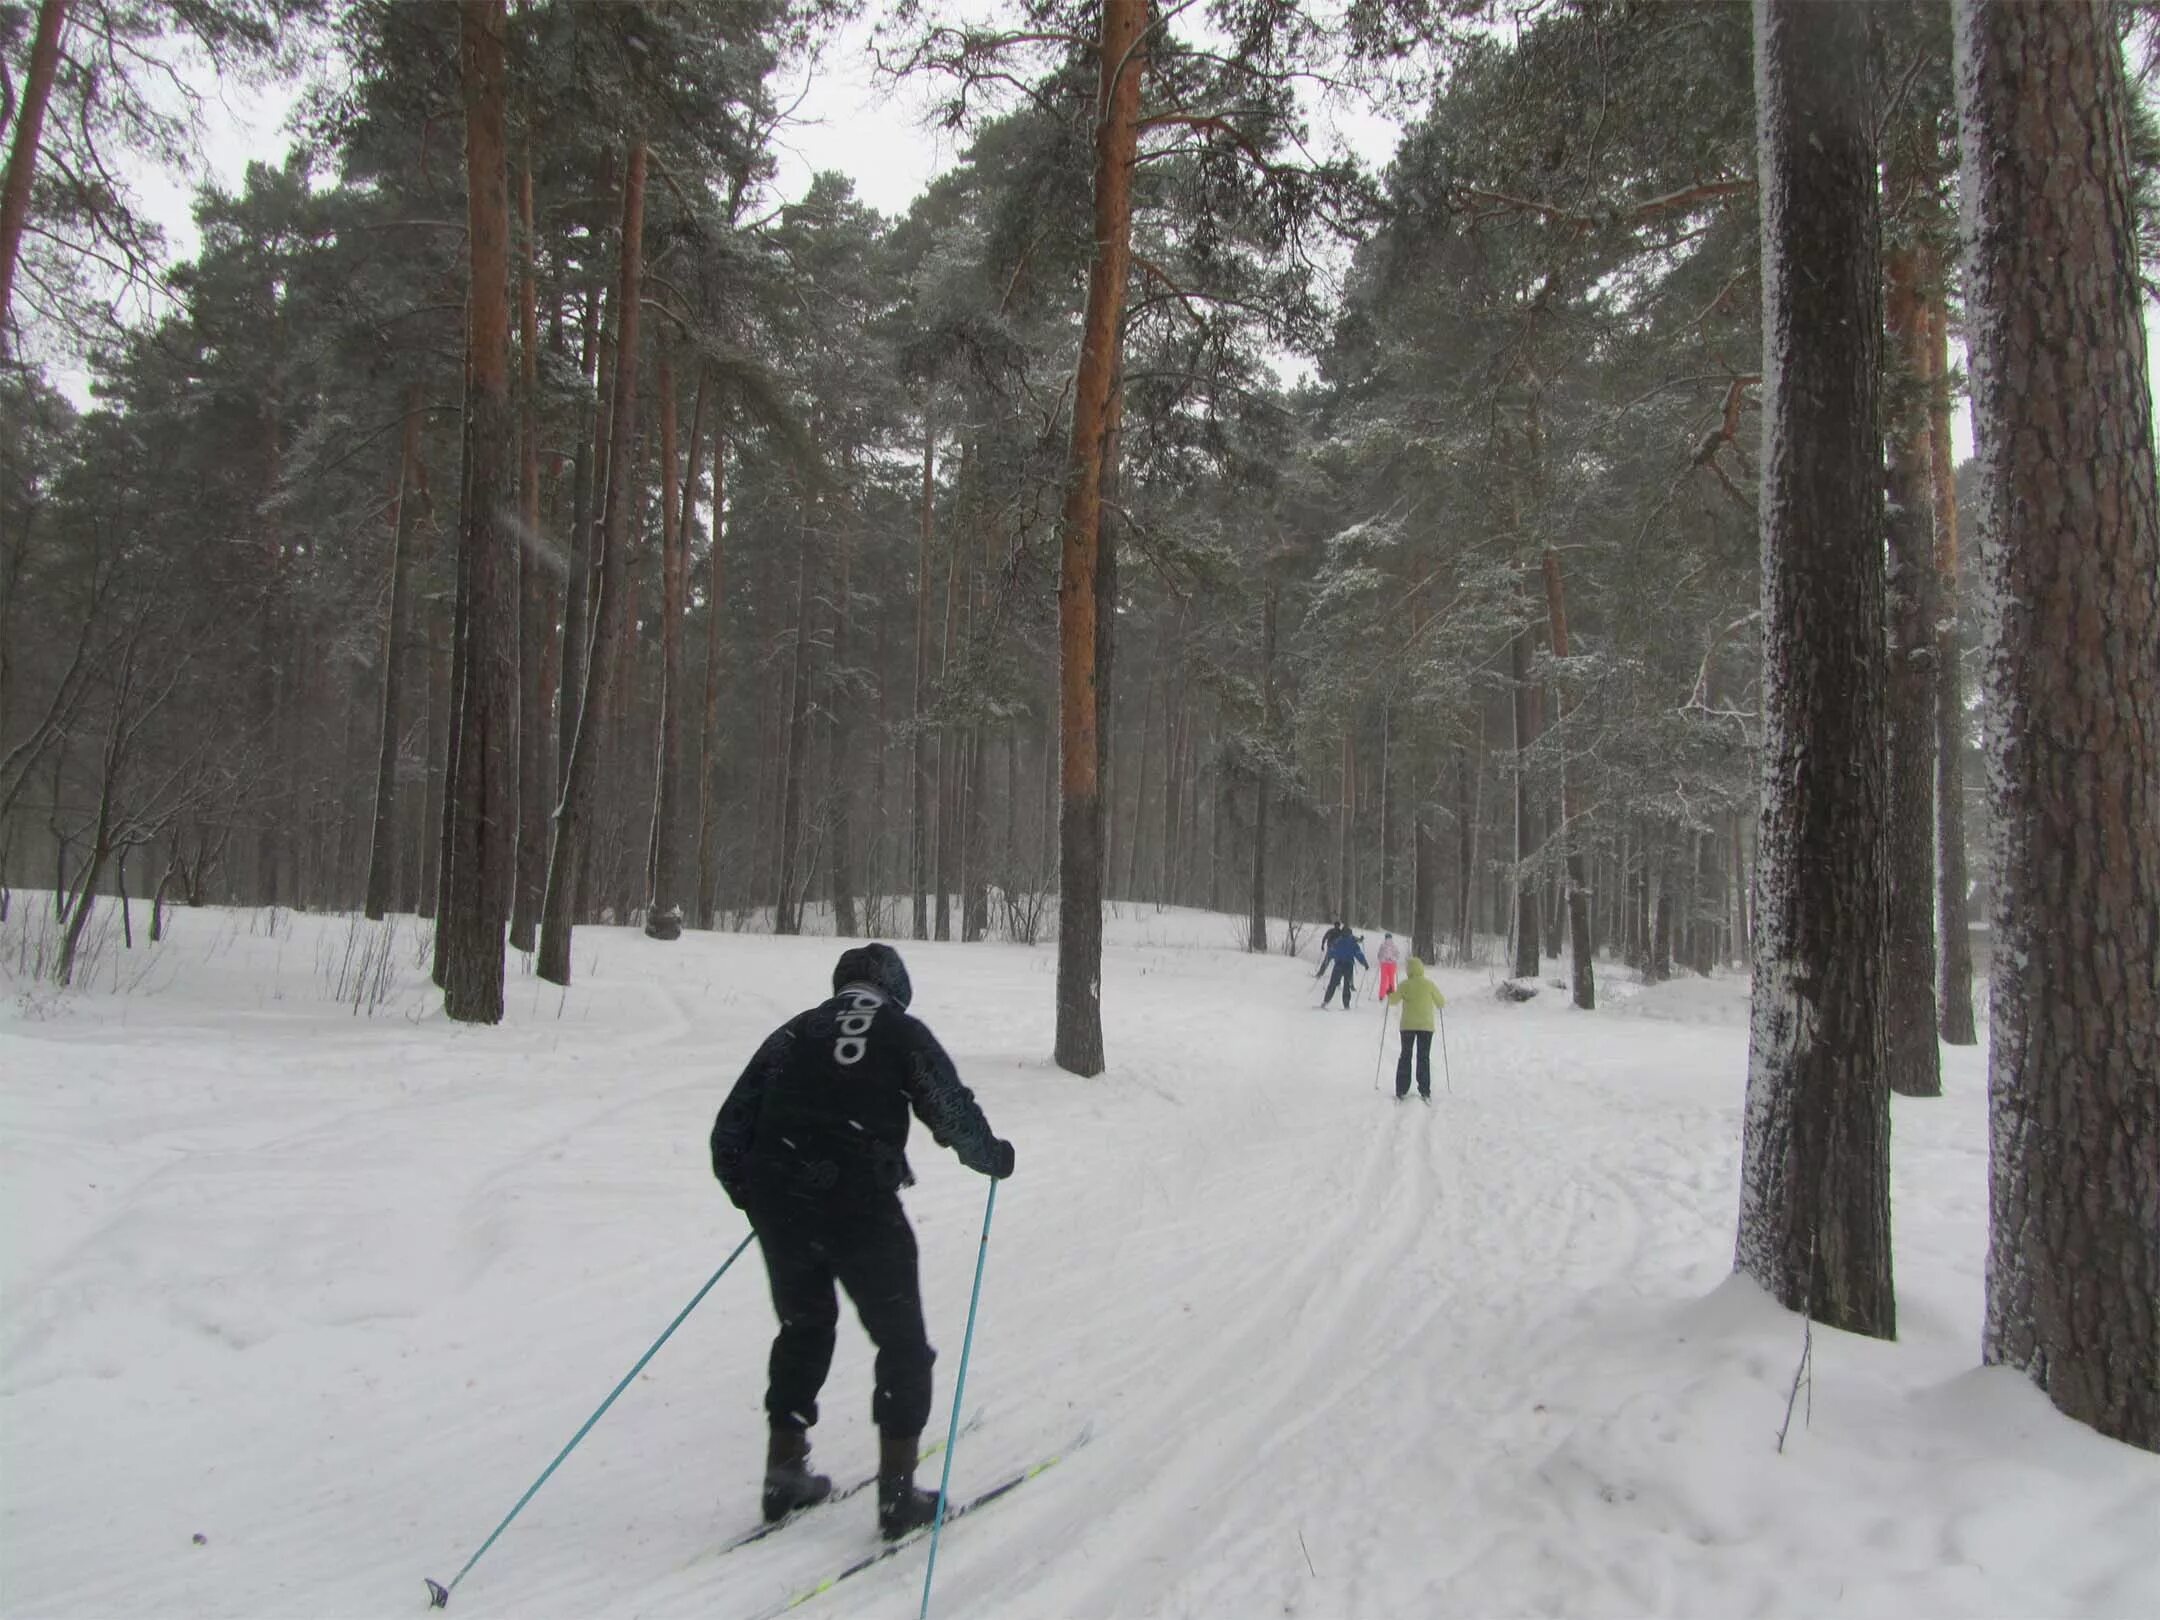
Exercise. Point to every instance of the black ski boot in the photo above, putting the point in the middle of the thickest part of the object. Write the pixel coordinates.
(789, 1484)
(901, 1507)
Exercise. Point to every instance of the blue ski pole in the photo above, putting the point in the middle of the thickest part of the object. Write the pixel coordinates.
(438, 1594)
(952, 1432)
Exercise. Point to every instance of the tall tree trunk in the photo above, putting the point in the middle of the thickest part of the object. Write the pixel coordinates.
(1122, 62)
(787, 914)
(1814, 1224)
(1388, 919)
(709, 731)
(1346, 811)
(841, 707)
(1953, 929)
(536, 621)
(919, 738)
(1468, 783)
(1424, 769)
(945, 848)
(2063, 419)
(1263, 789)
(663, 846)
(577, 580)
(1529, 957)
(1584, 968)
(382, 849)
(446, 835)
(23, 150)
(1909, 689)
(582, 776)
(440, 598)
(484, 789)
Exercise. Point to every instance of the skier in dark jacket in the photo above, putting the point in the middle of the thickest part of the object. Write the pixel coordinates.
(811, 1145)
(1342, 954)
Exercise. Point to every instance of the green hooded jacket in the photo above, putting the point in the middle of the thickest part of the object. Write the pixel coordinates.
(1418, 997)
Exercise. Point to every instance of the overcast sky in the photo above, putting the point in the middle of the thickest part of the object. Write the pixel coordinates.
(846, 118)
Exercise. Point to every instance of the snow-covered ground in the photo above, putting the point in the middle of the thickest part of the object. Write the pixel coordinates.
(326, 1289)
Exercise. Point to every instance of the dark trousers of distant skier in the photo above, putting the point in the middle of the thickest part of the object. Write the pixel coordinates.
(1418, 1041)
(1345, 972)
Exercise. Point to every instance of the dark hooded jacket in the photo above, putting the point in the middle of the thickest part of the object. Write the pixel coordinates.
(820, 1116)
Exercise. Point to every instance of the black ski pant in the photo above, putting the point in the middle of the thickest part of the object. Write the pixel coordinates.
(1420, 1042)
(871, 1253)
(1343, 977)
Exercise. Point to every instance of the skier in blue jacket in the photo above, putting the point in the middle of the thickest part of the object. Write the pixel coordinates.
(1343, 954)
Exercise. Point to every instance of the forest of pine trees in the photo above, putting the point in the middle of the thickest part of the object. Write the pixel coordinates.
(522, 512)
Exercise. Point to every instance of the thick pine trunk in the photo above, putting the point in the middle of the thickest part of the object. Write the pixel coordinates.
(1953, 920)
(382, 848)
(582, 775)
(484, 787)
(2063, 422)
(1909, 690)
(23, 149)
(1122, 62)
(1814, 1225)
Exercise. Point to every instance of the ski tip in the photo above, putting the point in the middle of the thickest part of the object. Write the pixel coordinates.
(438, 1595)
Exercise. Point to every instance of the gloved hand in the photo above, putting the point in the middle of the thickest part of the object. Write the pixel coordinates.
(1001, 1159)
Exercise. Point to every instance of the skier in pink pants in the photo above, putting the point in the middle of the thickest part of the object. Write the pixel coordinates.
(1389, 958)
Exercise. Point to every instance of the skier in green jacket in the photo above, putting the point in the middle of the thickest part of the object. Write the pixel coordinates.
(1420, 1000)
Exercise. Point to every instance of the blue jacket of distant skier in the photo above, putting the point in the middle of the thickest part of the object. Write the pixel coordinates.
(1346, 950)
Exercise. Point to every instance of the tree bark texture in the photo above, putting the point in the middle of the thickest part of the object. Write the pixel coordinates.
(1910, 689)
(1953, 916)
(1123, 62)
(2063, 424)
(1814, 1225)
(23, 149)
(582, 774)
(484, 787)
(382, 849)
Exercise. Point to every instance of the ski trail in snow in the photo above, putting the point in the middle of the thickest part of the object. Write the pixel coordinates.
(330, 1291)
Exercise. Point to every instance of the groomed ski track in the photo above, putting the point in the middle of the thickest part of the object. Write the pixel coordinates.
(331, 1291)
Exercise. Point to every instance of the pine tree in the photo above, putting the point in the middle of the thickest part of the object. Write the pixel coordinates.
(2063, 424)
(1815, 1184)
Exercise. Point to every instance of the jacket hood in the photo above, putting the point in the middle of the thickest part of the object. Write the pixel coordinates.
(1417, 968)
(878, 966)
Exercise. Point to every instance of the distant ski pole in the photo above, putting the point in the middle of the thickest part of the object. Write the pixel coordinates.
(439, 1595)
(1446, 1072)
(952, 1432)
